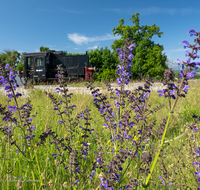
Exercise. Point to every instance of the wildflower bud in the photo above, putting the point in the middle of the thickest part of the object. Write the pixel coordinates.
(19, 184)
(50, 183)
(43, 175)
(65, 184)
(101, 175)
(56, 162)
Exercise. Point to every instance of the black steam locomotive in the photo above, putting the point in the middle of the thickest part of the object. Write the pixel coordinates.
(43, 66)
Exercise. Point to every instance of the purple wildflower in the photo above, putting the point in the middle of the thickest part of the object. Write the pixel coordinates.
(60, 121)
(33, 128)
(58, 90)
(75, 183)
(54, 154)
(13, 108)
(73, 107)
(7, 66)
(185, 88)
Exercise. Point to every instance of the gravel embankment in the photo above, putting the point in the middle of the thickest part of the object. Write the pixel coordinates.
(81, 90)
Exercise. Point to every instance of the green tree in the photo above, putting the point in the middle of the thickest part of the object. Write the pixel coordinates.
(148, 58)
(74, 53)
(10, 56)
(44, 49)
(103, 58)
(95, 57)
(20, 64)
(109, 60)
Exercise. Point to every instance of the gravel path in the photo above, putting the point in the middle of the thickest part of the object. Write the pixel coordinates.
(81, 90)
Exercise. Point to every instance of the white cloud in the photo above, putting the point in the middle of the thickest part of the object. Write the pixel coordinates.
(20, 51)
(94, 47)
(37, 50)
(76, 48)
(80, 39)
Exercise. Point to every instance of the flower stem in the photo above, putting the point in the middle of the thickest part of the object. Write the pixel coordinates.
(158, 153)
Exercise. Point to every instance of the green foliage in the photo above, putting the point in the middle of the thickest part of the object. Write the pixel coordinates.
(95, 57)
(10, 56)
(148, 57)
(74, 53)
(103, 58)
(110, 60)
(197, 76)
(107, 75)
(20, 65)
(176, 74)
(44, 49)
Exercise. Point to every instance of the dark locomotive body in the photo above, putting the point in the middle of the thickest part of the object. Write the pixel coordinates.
(43, 65)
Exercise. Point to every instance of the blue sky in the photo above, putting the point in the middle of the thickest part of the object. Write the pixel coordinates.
(77, 26)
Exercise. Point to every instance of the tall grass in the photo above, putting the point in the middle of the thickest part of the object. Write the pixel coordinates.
(176, 157)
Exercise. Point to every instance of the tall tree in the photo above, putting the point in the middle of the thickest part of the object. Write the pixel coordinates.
(20, 64)
(73, 53)
(43, 49)
(148, 58)
(95, 57)
(109, 60)
(10, 56)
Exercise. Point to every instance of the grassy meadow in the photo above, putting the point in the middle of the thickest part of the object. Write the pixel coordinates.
(40, 170)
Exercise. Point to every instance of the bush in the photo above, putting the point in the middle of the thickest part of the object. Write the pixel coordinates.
(20, 67)
(107, 75)
(197, 76)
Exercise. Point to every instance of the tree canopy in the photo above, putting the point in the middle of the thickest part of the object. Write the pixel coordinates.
(10, 56)
(148, 57)
(103, 58)
(44, 49)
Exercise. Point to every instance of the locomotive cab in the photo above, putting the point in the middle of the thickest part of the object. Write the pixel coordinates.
(35, 66)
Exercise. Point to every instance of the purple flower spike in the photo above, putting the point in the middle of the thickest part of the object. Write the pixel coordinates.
(54, 154)
(191, 74)
(75, 183)
(73, 107)
(185, 88)
(60, 121)
(193, 32)
(162, 93)
(188, 45)
(33, 128)
(10, 96)
(7, 66)
(198, 175)
(58, 90)
(77, 170)
(13, 108)
(180, 61)
(18, 94)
